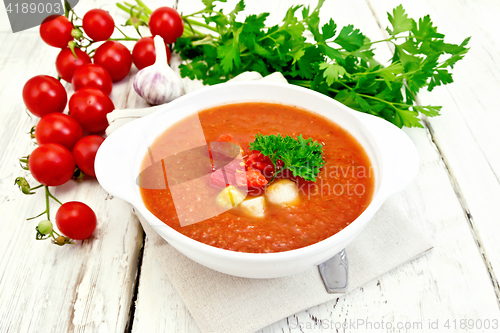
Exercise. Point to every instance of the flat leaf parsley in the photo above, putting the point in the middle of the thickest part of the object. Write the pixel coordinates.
(339, 62)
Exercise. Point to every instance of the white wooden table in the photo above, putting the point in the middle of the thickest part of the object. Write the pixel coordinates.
(111, 284)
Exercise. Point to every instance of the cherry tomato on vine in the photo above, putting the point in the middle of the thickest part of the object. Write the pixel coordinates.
(115, 58)
(98, 24)
(67, 63)
(51, 164)
(167, 23)
(92, 76)
(144, 53)
(89, 108)
(76, 220)
(55, 30)
(85, 151)
(43, 94)
(58, 128)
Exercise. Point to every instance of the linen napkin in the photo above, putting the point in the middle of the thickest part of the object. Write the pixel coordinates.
(222, 303)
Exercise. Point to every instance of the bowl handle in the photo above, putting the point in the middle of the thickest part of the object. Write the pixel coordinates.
(397, 149)
(113, 163)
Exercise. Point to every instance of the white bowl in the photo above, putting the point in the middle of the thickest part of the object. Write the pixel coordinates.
(393, 156)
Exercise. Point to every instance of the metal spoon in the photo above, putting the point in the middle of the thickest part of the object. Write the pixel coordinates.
(334, 273)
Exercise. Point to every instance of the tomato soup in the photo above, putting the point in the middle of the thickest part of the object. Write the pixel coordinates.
(342, 190)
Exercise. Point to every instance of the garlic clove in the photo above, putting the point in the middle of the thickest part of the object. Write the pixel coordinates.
(158, 83)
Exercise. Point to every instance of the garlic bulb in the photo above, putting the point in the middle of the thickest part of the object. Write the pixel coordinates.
(158, 83)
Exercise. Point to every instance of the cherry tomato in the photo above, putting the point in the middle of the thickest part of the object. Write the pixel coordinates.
(76, 220)
(252, 178)
(85, 151)
(115, 58)
(51, 164)
(89, 108)
(92, 76)
(67, 63)
(144, 53)
(98, 24)
(55, 30)
(42, 94)
(58, 128)
(257, 161)
(167, 23)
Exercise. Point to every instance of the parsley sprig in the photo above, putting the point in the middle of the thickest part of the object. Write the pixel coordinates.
(338, 62)
(303, 157)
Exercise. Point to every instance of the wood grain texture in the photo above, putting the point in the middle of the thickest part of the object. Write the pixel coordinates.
(449, 283)
(159, 307)
(89, 287)
(466, 133)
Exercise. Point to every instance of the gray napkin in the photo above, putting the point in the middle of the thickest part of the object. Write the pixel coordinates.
(222, 303)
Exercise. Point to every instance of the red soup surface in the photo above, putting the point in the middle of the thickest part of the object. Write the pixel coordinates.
(342, 190)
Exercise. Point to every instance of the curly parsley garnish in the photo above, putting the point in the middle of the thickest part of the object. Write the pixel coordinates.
(303, 157)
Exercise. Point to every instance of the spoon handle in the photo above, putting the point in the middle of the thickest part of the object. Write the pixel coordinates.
(334, 273)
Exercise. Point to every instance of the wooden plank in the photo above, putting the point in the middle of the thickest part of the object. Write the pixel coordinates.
(451, 282)
(466, 133)
(87, 287)
(159, 307)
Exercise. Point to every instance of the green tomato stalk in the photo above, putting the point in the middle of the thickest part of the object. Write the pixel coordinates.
(44, 229)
